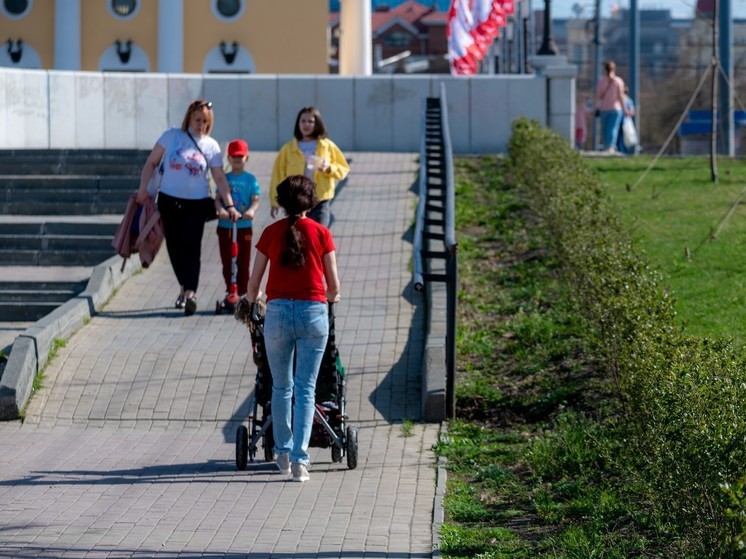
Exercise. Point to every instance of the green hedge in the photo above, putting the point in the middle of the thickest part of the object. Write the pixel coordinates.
(682, 400)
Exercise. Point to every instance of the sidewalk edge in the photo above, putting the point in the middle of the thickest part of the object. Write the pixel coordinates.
(31, 349)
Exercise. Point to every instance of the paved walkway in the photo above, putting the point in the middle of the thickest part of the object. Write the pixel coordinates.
(128, 449)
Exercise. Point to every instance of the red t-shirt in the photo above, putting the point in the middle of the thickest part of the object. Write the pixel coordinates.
(306, 283)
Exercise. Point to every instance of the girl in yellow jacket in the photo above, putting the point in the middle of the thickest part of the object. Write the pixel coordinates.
(314, 155)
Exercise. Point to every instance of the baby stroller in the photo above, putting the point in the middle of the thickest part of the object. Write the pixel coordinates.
(330, 429)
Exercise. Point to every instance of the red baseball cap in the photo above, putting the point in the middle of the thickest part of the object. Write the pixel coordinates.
(238, 148)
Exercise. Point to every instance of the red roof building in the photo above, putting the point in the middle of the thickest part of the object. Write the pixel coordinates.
(410, 26)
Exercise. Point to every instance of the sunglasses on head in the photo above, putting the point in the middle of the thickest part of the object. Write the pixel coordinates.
(198, 105)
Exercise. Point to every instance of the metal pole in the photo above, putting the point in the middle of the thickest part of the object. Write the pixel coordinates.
(634, 60)
(713, 117)
(596, 68)
(727, 127)
(547, 43)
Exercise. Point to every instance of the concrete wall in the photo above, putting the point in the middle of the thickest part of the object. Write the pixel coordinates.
(58, 109)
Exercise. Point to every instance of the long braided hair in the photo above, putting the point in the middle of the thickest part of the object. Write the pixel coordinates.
(296, 194)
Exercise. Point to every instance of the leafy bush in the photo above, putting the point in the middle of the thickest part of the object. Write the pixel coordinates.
(682, 400)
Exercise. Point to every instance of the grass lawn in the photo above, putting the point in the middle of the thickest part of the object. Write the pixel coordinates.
(693, 231)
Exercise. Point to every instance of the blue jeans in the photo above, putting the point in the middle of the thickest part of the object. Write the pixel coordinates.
(610, 123)
(294, 330)
(322, 213)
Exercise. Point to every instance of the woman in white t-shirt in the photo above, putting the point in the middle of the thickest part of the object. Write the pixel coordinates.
(184, 200)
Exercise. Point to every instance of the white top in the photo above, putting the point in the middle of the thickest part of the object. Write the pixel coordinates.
(185, 169)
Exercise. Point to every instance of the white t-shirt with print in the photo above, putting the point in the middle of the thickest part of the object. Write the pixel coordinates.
(185, 170)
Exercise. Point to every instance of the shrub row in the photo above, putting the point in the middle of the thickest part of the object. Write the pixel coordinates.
(681, 400)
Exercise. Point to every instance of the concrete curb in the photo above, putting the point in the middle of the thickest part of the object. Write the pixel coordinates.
(31, 349)
(434, 358)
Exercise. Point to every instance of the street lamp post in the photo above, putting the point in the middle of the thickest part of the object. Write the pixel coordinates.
(547, 43)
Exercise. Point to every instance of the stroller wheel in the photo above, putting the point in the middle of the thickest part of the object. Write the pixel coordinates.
(352, 447)
(269, 446)
(242, 447)
(218, 307)
(336, 453)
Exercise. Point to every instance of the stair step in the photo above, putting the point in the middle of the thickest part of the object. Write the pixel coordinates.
(55, 242)
(44, 183)
(54, 258)
(47, 296)
(58, 228)
(42, 207)
(30, 286)
(27, 311)
(23, 196)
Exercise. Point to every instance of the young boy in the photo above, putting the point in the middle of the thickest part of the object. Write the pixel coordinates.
(245, 192)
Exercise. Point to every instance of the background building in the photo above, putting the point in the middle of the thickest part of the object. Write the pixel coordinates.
(190, 36)
(408, 37)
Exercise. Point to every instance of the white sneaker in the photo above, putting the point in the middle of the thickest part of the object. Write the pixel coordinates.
(300, 473)
(283, 463)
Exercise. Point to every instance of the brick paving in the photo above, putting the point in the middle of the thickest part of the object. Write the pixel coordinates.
(128, 449)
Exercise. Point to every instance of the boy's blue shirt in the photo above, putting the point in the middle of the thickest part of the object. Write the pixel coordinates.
(243, 187)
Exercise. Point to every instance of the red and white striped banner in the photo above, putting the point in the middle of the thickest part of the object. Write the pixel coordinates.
(472, 26)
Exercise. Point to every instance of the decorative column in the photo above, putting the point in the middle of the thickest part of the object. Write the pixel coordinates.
(67, 35)
(355, 38)
(171, 36)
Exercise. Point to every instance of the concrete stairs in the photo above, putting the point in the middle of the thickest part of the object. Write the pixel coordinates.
(58, 208)
(33, 299)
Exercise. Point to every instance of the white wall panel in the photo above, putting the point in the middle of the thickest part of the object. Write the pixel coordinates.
(527, 97)
(257, 113)
(373, 113)
(63, 108)
(335, 100)
(4, 111)
(364, 113)
(458, 97)
(294, 93)
(183, 89)
(120, 110)
(562, 107)
(151, 113)
(225, 93)
(36, 100)
(89, 114)
(489, 126)
(408, 94)
(14, 97)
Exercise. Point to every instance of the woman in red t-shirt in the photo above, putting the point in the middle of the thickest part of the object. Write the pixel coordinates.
(302, 279)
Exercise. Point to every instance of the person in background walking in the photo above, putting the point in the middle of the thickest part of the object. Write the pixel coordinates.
(184, 200)
(581, 122)
(245, 193)
(629, 112)
(610, 104)
(302, 279)
(313, 154)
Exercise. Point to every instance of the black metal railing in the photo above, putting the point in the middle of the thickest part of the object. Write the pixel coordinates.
(435, 226)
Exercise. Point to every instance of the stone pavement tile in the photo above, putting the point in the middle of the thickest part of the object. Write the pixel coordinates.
(128, 449)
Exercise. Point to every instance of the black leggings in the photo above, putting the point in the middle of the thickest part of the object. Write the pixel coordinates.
(183, 225)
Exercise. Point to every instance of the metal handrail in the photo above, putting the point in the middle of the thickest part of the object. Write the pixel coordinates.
(450, 278)
(450, 229)
(417, 276)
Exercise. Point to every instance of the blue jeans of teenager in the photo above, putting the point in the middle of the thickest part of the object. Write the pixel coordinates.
(294, 331)
(610, 123)
(322, 213)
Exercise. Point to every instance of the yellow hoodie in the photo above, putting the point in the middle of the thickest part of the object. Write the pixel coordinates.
(290, 161)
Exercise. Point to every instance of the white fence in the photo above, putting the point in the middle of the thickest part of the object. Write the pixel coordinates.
(55, 109)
